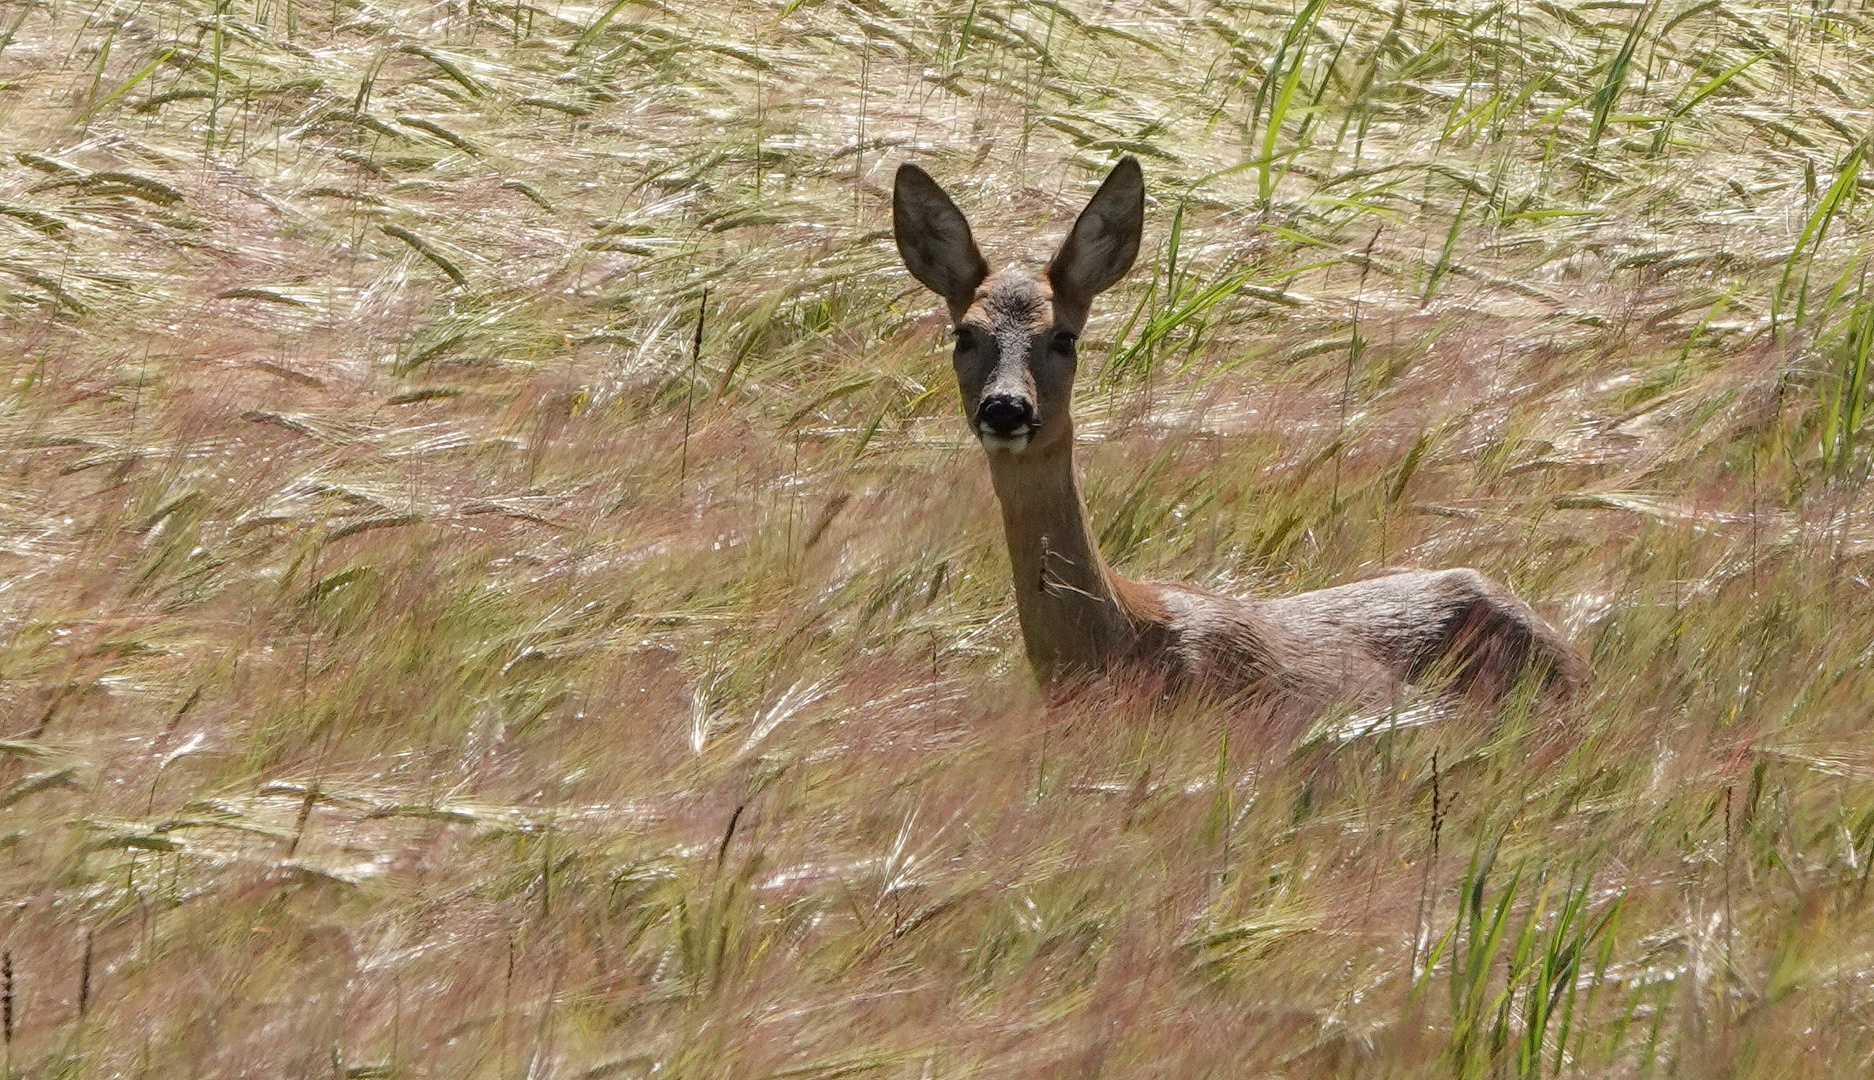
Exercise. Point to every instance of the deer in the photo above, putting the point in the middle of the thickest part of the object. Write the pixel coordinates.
(1016, 331)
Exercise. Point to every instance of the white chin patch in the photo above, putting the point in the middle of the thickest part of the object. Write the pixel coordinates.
(1011, 443)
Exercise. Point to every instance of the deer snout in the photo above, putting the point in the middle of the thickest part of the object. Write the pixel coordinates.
(1005, 416)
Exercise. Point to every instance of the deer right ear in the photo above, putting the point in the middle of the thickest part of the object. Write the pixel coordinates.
(1104, 240)
(934, 239)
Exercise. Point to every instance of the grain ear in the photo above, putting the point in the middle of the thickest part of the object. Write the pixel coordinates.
(934, 239)
(1104, 240)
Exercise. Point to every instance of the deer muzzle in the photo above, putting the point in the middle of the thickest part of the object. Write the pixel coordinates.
(1005, 421)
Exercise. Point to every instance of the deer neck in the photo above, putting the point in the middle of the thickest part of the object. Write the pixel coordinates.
(1076, 613)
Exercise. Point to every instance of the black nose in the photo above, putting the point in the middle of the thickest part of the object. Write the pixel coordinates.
(1006, 414)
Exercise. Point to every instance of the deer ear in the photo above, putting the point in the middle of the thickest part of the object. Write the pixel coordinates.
(934, 239)
(1104, 241)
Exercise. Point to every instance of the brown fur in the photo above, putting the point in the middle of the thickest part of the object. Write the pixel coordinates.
(1079, 618)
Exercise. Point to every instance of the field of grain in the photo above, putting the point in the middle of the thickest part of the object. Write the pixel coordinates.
(494, 581)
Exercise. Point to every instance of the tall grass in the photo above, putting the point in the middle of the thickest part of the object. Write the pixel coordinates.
(495, 584)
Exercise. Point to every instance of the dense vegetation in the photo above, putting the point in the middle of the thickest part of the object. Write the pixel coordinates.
(495, 582)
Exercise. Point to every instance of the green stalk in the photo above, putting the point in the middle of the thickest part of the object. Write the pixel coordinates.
(1281, 96)
(1814, 232)
(1616, 81)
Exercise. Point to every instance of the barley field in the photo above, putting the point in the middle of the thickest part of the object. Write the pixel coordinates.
(494, 581)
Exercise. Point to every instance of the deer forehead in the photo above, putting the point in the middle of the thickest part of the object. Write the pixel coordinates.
(1012, 300)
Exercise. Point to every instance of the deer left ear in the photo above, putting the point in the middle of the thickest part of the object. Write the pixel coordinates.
(1104, 240)
(934, 239)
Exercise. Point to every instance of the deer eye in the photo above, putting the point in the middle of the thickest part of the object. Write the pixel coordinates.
(1064, 342)
(968, 338)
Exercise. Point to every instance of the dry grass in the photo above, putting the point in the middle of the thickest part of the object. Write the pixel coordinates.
(420, 661)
